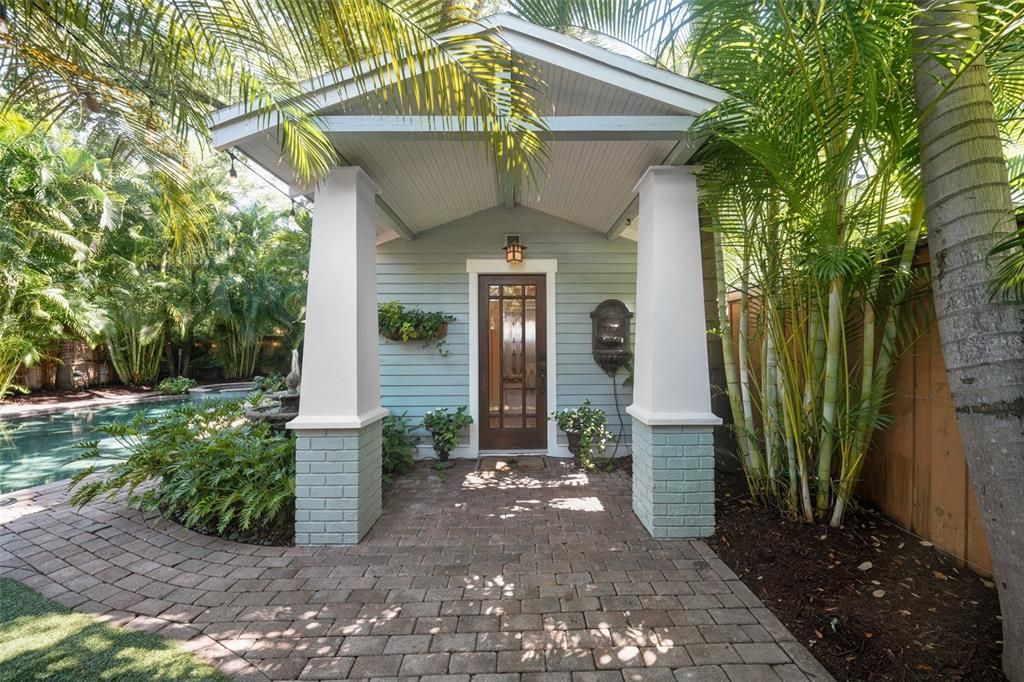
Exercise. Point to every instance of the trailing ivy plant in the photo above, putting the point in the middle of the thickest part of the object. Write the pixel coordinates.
(591, 425)
(398, 323)
(203, 465)
(398, 446)
(445, 427)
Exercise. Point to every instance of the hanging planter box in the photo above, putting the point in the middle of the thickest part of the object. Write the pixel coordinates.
(394, 335)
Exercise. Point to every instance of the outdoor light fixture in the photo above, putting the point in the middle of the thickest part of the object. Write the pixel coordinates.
(513, 249)
(232, 173)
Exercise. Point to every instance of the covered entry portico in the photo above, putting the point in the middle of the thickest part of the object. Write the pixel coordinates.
(614, 174)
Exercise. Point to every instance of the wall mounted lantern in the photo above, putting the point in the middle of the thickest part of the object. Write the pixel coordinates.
(513, 249)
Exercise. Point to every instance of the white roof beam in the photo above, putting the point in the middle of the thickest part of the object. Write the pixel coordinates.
(559, 128)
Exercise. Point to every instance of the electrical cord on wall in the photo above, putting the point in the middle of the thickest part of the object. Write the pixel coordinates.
(618, 411)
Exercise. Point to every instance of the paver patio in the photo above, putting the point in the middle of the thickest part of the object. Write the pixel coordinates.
(489, 576)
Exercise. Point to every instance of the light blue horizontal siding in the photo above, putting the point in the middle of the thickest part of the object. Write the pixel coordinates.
(430, 273)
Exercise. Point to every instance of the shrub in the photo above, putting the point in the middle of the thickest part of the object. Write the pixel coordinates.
(445, 428)
(175, 385)
(592, 426)
(268, 384)
(398, 446)
(209, 468)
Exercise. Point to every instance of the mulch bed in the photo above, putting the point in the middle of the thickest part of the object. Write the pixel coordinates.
(913, 613)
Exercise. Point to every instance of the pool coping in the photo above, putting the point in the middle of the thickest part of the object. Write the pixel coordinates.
(69, 405)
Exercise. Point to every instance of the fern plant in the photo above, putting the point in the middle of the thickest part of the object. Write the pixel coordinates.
(397, 446)
(202, 464)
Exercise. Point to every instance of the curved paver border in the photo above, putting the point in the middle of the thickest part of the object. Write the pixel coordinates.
(467, 573)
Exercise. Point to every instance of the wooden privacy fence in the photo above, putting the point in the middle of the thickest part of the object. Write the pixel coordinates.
(916, 473)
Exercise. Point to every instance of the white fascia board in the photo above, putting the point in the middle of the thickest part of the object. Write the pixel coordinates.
(508, 24)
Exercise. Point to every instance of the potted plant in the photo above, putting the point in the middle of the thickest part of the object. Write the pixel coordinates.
(586, 429)
(444, 428)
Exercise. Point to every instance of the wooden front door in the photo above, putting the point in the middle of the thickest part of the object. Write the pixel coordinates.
(513, 362)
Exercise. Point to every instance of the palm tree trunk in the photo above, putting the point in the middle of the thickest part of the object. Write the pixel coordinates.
(968, 210)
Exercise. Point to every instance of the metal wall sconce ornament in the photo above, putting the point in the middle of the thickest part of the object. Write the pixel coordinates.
(513, 249)
(611, 319)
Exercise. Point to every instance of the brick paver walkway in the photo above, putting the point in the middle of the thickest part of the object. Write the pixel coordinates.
(472, 576)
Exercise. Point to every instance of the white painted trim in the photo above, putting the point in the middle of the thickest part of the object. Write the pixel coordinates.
(329, 422)
(536, 266)
(498, 266)
(649, 418)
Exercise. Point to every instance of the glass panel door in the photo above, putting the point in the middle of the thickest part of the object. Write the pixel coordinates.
(512, 362)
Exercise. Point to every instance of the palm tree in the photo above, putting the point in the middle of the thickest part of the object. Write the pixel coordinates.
(48, 191)
(969, 210)
(145, 75)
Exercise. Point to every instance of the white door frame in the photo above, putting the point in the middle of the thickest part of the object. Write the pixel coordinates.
(533, 266)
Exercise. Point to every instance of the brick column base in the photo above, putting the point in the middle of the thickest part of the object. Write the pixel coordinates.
(674, 479)
(337, 484)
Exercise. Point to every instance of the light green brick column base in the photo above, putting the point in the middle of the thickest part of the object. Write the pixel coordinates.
(674, 479)
(337, 484)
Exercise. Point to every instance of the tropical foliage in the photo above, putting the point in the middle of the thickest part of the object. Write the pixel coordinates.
(175, 385)
(149, 73)
(87, 251)
(210, 468)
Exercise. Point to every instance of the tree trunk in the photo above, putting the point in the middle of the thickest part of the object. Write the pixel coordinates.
(186, 356)
(967, 211)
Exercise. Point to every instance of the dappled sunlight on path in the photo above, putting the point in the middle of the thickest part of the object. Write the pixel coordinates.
(467, 572)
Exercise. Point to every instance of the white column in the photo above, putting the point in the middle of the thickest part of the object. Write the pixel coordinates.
(340, 374)
(673, 438)
(671, 383)
(338, 430)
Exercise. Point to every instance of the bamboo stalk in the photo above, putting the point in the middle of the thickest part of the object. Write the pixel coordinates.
(876, 377)
(830, 394)
(755, 463)
(725, 324)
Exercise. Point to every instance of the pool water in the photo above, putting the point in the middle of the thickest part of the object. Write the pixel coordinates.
(41, 448)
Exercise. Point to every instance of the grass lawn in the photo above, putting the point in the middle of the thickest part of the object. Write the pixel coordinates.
(42, 640)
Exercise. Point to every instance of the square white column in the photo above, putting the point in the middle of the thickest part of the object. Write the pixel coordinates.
(338, 430)
(340, 364)
(673, 440)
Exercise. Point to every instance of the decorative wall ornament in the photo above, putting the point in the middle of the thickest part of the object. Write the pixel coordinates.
(611, 319)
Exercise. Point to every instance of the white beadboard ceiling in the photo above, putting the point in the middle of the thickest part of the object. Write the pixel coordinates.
(430, 183)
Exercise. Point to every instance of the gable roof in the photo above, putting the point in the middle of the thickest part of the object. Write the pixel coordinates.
(611, 115)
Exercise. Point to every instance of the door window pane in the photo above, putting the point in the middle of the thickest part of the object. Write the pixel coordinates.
(530, 355)
(494, 358)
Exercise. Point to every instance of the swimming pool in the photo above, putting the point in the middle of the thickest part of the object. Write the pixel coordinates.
(41, 448)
